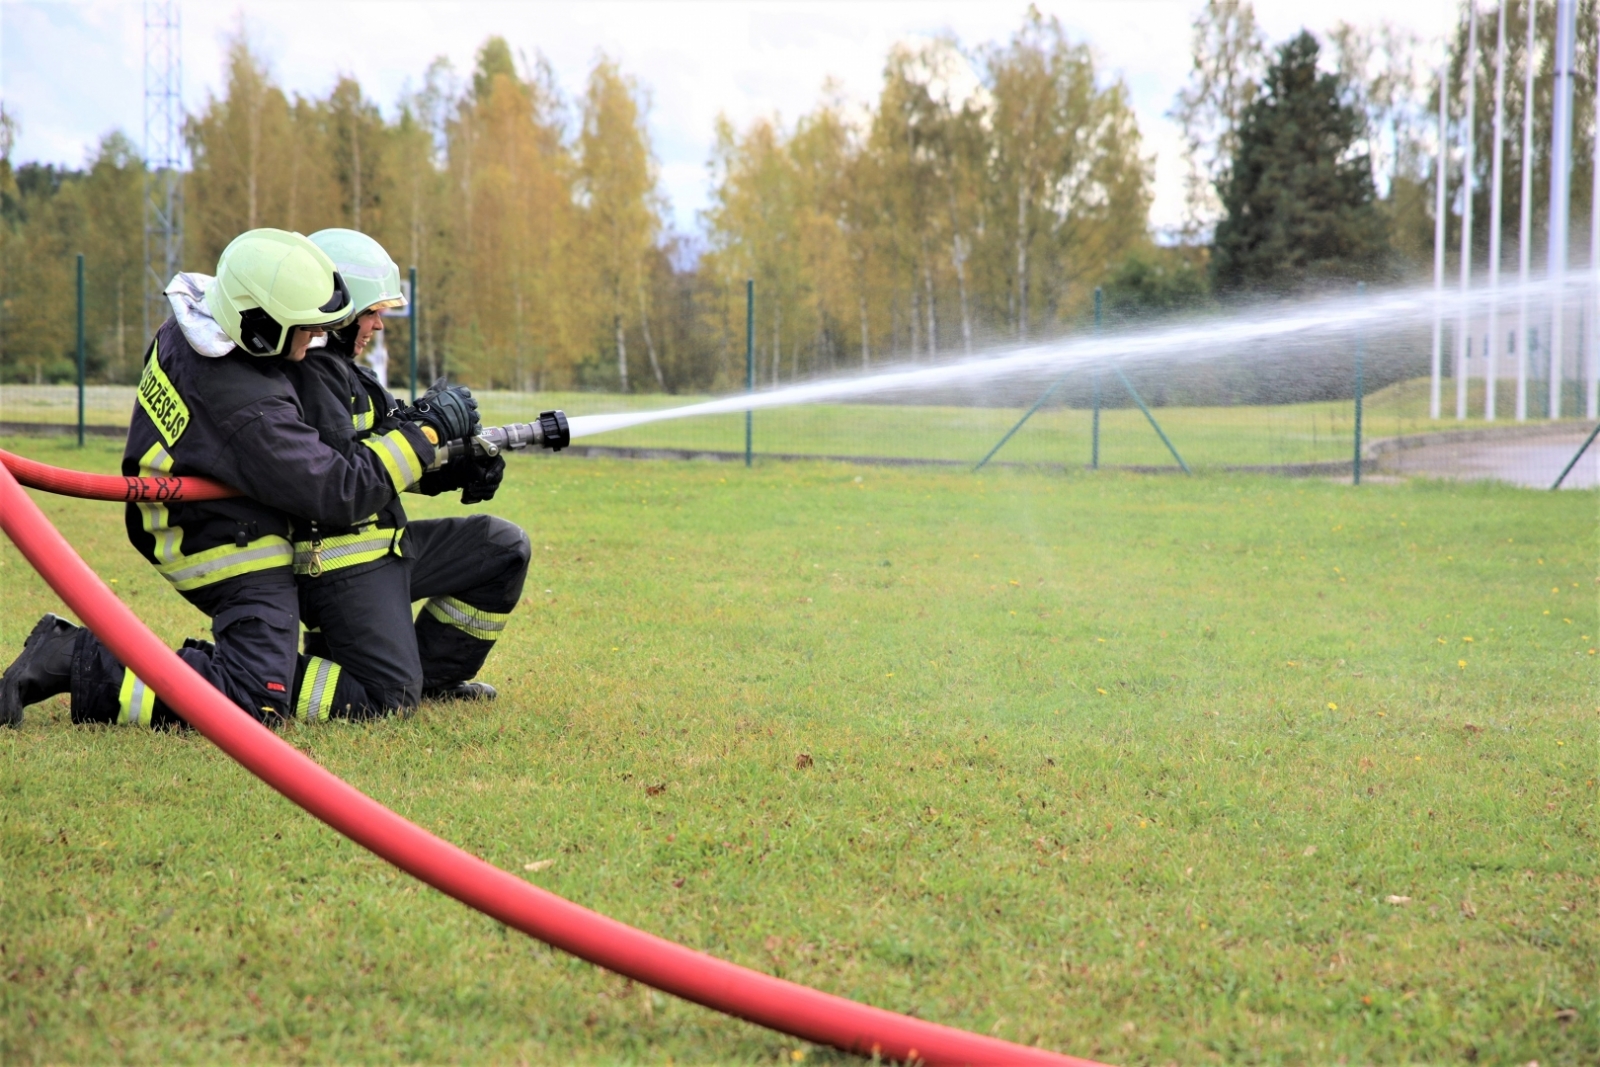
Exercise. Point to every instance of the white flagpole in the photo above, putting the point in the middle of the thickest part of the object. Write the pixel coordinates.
(1524, 249)
(1440, 180)
(1491, 349)
(1591, 406)
(1469, 70)
(1560, 195)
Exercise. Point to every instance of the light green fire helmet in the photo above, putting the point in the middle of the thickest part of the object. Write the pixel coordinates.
(373, 278)
(269, 281)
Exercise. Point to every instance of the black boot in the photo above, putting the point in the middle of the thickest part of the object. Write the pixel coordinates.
(460, 691)
(42, 670)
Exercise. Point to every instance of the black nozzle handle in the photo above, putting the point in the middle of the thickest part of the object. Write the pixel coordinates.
(550, 430)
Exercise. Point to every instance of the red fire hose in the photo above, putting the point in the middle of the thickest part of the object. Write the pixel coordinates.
(36, 475)
(759, 998)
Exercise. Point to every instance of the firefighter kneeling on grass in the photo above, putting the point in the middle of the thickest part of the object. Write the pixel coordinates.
(358, 582)
(214, 401)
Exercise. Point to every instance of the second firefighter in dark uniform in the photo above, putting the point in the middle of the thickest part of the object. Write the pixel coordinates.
(358, 582)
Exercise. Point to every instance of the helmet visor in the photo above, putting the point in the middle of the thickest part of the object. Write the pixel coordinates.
(339, 302)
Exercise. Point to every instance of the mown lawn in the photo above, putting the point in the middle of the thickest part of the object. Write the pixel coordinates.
(1149, 769)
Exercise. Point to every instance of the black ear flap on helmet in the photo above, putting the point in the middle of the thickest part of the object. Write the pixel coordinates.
(260, 332)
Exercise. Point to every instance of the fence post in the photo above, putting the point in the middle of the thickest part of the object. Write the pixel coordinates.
(411, 316)
(1573, 462)
(1361, 355)
(1037, 404)
(1094, 438)
(80, 350)
(1137, 399)
(749, 363)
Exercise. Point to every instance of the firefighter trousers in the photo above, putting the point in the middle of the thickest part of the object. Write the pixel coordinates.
(468, 571)
(252, 660)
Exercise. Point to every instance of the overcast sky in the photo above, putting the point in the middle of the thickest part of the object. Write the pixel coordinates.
(71, 71)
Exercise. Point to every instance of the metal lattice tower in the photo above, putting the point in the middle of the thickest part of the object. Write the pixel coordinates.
(163, 155)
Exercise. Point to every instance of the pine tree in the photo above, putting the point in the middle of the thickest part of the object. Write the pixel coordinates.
(1298, 200)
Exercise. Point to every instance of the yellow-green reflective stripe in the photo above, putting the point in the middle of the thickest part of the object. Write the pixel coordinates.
(157, 459)
(168, 539)
(398, 457)
(484, 625)
(346, 550)
(363, 420)
(162, 401)
(136, 702)
(227, 561)
(212, 565)
(156, 517)
(315, 699)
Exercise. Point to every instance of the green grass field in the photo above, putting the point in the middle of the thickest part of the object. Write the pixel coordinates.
(1226, 769)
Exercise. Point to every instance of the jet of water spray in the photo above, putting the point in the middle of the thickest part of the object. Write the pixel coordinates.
(1306, 324)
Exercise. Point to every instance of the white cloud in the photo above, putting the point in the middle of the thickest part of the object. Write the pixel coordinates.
(73, 71)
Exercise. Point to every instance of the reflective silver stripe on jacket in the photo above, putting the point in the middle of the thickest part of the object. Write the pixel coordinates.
(273, 554)
(336, 551)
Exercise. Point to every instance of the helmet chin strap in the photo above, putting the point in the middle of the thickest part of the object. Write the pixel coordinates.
(343, 340)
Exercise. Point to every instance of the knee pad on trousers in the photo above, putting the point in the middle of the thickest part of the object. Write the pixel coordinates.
(253, 662)
(513, 541)
(504, 533)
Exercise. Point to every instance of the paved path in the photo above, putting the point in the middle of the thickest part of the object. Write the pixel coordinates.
(1532, 462)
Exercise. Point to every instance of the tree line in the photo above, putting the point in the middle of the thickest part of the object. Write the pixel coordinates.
(980, 198)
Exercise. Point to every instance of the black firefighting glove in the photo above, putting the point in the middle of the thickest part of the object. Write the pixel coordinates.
(486, 474)
(446, 478)
(450, 410)
(476, 476)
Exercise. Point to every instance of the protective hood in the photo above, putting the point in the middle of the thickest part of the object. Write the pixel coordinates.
(187, 295)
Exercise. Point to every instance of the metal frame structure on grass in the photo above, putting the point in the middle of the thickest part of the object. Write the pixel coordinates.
(1094, 448)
